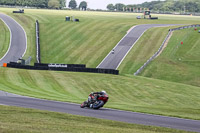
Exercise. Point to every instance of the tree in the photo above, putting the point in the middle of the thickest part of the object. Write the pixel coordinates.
(119, 6)
(111, 7)
(83, 5)
(55, 4)
(62, 3)
(72, 4)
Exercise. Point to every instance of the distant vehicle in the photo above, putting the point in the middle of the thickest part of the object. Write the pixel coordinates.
(138, 17)
(95, 100)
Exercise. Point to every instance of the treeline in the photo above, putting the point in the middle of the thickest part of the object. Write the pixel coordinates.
(165, 6)
(57, 4)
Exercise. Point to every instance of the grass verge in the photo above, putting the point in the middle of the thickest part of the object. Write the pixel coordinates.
(5, 38)
(148, 44)
(178, 63)
(86, 42)
(137, 94)
(20, 120)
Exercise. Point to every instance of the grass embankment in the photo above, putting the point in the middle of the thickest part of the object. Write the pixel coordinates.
(49, 122)
(178, 63)
(4, 39)
(86, 42)
(147, 46)
(127, 93)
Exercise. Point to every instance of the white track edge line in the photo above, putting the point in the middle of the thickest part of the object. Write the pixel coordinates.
(24, 33)
(116, 46)
(11, 36)
(130, 49)
(10, 40)
(137, 41)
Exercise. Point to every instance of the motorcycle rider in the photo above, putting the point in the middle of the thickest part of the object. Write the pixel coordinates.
(93, 97)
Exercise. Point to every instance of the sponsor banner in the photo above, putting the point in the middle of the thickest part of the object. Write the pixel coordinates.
(58, 65)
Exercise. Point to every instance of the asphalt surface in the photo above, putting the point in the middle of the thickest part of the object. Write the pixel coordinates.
(18, 41)
(104, 113)
(114, 59)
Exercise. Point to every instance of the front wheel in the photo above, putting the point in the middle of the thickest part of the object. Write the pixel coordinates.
(98, 104)
(84, 104)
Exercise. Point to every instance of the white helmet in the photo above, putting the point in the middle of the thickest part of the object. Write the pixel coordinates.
(103, 91)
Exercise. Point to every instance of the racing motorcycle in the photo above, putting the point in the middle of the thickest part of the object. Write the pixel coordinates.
(100, 101)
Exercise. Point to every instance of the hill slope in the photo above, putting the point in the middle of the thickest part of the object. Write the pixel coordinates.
(128, 93)
(178, 63)
(5, 38)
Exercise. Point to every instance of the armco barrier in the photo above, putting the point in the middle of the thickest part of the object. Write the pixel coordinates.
(63, 67)
(37, 42)
(161, 47)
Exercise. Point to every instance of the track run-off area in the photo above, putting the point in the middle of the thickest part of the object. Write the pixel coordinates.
(17, 49)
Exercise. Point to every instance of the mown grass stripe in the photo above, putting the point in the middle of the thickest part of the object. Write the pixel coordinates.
(5, 38)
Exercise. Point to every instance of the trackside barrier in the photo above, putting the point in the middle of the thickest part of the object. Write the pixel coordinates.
(37, 42)
(161, 47)
(60, 65)
(63, 67)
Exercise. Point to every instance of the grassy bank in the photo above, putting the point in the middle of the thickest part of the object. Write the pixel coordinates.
(147, 45)
(178, 63)
(127, 93)
(19, 120)
(86, 42)
(5, 38)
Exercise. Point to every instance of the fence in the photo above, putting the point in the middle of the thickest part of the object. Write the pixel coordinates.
(37, 42)
(161, 47)
(62, 67)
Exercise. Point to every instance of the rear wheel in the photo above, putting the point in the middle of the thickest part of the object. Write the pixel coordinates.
(98, 104)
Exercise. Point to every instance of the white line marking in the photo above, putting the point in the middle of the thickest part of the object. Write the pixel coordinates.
(116, 46)
(138, 40)
(11, 36)
(24, 33)
(130, 49)
(10, 40)
(133, 44)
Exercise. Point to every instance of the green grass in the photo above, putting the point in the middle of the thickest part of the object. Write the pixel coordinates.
(126, 92)
(178, 63)
(28, 23)
(5, 38)
(19, 120)
(86, 42)
(147, 45)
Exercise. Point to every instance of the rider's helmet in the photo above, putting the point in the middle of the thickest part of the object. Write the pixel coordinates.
(103, 91)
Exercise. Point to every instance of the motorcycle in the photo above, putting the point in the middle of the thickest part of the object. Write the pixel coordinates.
(96, 104)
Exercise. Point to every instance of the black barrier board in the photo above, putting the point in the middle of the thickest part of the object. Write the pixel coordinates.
(38, 66)
(59, 65)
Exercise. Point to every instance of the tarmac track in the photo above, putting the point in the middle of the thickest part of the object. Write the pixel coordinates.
(104, 113)
(18, 48)
(18, 40)
(114, 59)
